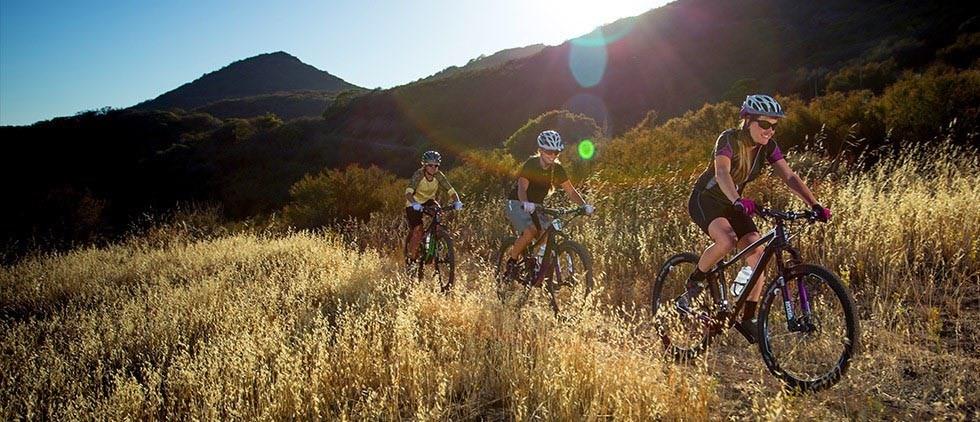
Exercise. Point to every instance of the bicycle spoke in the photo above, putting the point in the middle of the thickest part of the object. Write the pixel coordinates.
(570, 281)
(683, 322)
(438, 268)
(809, 350)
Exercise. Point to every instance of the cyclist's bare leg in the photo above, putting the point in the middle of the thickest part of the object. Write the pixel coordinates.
(414, 237)
(526, 237)
(723, 234)
(752, 259)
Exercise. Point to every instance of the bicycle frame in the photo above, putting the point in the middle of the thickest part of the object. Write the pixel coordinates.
(433, 228)
(550, 234)
(776, 242)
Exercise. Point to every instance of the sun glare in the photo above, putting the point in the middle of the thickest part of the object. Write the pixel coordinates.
(569, 19)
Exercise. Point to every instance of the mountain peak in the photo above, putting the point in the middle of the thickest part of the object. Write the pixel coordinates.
(268, 73)
(278, 56)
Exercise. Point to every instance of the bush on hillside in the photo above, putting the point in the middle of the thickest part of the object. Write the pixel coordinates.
(484, 175)
(963, 53)
(874, 76)
(680, 144)
(337, 195)
(834, 124)
(918, 107)
(573, 129)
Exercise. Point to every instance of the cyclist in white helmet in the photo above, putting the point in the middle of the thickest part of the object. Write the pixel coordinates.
(421, 191)
(717, 206)
(539, 174)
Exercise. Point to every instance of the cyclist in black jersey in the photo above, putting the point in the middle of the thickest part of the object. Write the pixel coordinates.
(716, 204)
(538, 175)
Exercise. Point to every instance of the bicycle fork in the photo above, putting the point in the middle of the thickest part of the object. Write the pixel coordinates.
(794, 322)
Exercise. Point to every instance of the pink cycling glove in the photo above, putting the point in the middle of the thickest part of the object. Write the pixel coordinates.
(746, 206)
(822, 214)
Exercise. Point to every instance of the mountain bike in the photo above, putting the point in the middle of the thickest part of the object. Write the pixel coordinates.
(807, 324)
(563, 268)
(435, 258)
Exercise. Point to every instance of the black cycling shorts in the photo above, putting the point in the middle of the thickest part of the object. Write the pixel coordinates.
(413, 217)
(704, 209)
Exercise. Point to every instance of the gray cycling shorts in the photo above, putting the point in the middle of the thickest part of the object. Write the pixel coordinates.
(520, 219)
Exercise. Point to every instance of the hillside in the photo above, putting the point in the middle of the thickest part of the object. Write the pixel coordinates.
(287, 105)
(260, 75)
(671, 59)
(486, 62)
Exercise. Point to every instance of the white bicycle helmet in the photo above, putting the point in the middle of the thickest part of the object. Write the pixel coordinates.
(760, 104)
(550, 140)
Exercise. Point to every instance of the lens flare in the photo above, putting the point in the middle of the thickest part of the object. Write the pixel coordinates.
(586, 149)
(587, 62)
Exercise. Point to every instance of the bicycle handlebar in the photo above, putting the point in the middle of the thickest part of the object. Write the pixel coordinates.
(429, 209)
(788, 215)
(555, 212)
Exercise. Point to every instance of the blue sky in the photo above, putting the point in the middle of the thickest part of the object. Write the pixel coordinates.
(61, 57)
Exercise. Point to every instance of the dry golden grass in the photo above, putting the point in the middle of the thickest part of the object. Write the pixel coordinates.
(316, 325)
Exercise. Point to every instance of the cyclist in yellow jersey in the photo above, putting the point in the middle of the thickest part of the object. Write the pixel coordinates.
(421, 191)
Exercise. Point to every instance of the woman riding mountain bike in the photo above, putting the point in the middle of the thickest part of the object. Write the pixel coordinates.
(538, 175)
(717, 206)
(421, 191)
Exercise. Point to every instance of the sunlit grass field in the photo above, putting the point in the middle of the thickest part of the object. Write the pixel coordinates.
(272, 324)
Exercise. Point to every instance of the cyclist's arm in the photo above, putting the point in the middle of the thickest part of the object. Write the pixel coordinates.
(522, 184)
(413, 184)
(444, 183)
(794, 182)
(572, 193)
(723, 173)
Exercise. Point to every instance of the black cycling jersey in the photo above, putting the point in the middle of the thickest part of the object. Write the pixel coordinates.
(728, 144)
(540, 180)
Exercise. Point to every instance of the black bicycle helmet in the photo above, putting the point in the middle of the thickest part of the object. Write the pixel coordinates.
(431, 156)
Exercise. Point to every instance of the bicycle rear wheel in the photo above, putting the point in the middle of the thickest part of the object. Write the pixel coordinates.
(570, 282)
(511, 290)
(441, 266)
(808, 342)
(682, 322)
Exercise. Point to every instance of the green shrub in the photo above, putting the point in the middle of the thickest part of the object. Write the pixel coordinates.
(484, 175)
(573, 129)
(680, 144)
(874, 76)
(918, 107)
(337, 195)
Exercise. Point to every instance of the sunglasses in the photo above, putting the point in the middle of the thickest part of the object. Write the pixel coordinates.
(432, 165)
(550, 152)
(764, 125)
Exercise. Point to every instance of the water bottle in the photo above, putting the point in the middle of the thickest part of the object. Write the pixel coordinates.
(741, 280)
(429, 249)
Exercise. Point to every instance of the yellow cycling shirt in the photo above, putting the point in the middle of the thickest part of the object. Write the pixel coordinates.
(423, 190)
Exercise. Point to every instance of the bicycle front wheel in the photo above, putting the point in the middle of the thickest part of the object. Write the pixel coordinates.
(571, 279)
(683, 322)
(440, 266)
(511, 290)
(808, 341)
